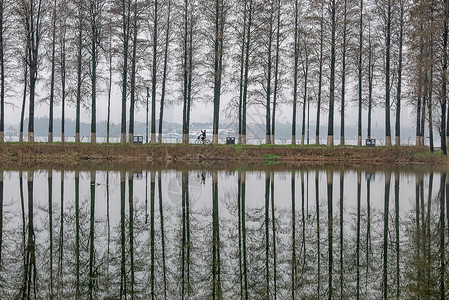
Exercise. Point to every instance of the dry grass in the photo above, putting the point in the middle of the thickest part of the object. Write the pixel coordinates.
(71, 154)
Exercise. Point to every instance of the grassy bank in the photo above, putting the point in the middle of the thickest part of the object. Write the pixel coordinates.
(71, 154)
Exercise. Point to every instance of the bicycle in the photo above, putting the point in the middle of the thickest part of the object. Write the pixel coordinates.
(200, 141)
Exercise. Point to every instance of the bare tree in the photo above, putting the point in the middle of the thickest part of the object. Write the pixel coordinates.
(31, 14)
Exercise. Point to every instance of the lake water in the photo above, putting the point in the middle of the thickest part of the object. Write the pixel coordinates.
(204, 234)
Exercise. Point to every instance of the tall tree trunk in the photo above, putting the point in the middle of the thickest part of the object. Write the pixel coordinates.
(343, 78)
(109, 55)
(269, 70)
(186, 71)
(52, 75)
(330, 131)
(245, 80)
(153, 81)
(25, 85)
(218, 64)
(430, 107)
(320, 76)
(2, 72)
(94, 20)
(147, 116)
(295, 73)
(276, 72)
(370, 79)
(79, 61)
(133, 75)
(34, 26)
(164, 76)
(131, 230)
(398, 94)
(359, 123)
(306, 79)
(126, 12)
(387, 76)
(242, 64)
(443, 130)
(63, 58)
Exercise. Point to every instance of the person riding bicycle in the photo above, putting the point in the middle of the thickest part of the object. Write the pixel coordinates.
(203, 135)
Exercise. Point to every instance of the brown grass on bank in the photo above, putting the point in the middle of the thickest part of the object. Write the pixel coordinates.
(73, 154)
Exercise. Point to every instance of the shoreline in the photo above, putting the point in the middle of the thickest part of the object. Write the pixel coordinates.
(63, 155)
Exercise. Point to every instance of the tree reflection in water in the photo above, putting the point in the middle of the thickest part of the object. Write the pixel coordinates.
(239, 235)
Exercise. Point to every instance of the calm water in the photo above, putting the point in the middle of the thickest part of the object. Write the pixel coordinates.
(305, 234)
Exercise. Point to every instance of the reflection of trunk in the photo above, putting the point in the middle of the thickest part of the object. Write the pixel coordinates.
(303, 221)
(108, 222)
(245, 273)
(122, 235)
(441, 232)
(418, 252)
(185, 236)
(368, 228)
(152, 191)
(131, 228)
(22, 201)
(317, 189)
(92, 236)
(385, 234)
(293, 191)
(77, 229)
(273, 222)
(161, 213)
(146, 197)
(29, 290)
(1, 213)
(447, 202)
(427, 235)
(359, 191)
(216, 268)
(61, 240)
(267, 234)
(396, 221)
(50, 227)
(342, 180)
(330, 223)
(239, 213)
